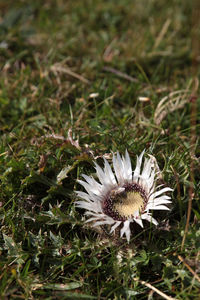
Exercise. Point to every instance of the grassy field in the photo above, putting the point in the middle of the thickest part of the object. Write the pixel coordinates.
(80, 79)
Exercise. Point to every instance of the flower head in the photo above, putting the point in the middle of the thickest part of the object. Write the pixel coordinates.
(123, 196)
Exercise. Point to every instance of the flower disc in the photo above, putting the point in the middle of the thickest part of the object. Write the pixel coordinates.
(129, 204)
(124, 203)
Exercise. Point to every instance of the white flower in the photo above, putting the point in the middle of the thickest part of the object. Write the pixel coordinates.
(123, 196)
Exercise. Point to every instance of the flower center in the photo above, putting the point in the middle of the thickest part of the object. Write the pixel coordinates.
(128, 204)
(124, 202)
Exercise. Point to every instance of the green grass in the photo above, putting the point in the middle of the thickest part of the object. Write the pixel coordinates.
(53, 56)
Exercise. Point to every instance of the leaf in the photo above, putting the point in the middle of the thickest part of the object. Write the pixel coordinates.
(182, 274)
(55, 217)
(197, 214)
(66, 287)
(14, 250)
(63, 174)
(131, 293)
(142, 258)
(26, 268)
(9, 243)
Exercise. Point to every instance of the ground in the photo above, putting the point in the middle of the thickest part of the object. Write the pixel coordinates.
(80, 80)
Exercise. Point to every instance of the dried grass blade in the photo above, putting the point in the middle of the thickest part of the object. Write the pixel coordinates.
(155, 289)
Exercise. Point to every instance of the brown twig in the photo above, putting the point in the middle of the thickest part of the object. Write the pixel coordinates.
(189, 268)
(154, 289)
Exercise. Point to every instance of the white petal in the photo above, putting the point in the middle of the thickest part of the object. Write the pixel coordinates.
(101, 174)
(146, 169)
(159, 186)
(90, 197)
(163, 197)
(127, 167)
(128, 163)
(109, 173)
(154, 195)
(92, 182)
(146, 179)
(119, 190)
(95, 214)
(149, 218)
(98, 223)
(150, 182)
(89, 206)
(139, 221)
(83, 195)
(126, 230)
(156, 207)
(92, 219)
(119, 168)
(89, 188)
(158, 202)
(138, 165)
(115, 226)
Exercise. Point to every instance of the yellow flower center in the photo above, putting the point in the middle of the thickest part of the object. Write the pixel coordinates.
(126, 204)
(125, 201)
